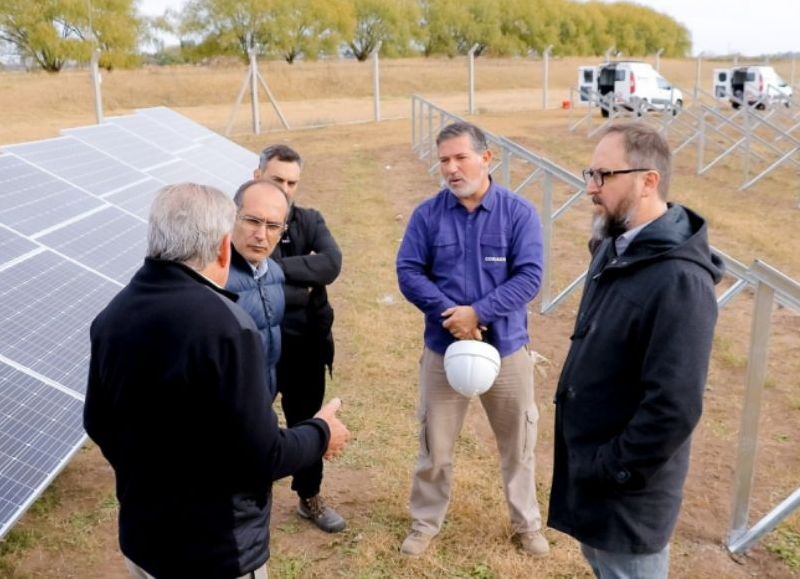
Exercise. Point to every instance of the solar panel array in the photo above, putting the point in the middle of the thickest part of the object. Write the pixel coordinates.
(73, 224)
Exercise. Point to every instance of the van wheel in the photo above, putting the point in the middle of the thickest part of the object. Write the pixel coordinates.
(604, 112)
(735, 105)
(761, 106)
(677, 108)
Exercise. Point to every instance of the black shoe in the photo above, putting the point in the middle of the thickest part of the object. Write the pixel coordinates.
(315, 510)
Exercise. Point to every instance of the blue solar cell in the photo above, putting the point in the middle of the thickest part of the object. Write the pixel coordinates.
(40, 429)
(180, 171)
(154, 132)
(176, 121)
(109, 241)
(78, 163)
(13, 246)
(32, 200)
(206, 157)
(122, 144)
(47, 304)
(138, 197)
(232, 151)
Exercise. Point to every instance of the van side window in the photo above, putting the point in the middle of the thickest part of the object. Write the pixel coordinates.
(588, 75)
(620, 74)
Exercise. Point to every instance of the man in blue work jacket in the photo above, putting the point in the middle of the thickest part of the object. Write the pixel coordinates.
(471, 260)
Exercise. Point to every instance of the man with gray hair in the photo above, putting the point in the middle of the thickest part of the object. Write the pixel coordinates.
(177, 402)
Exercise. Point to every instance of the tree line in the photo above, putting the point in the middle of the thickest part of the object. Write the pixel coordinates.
(51, 33)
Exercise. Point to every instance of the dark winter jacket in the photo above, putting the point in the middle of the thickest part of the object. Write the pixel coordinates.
(311, 260)
(631, 390)
(263, 299)
(177, 402)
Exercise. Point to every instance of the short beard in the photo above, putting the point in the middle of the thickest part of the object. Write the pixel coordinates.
(613, 225)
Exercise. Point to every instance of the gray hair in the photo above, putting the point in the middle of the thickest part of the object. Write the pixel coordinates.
(645, 148)
(187, 223)
(454, 130)
(283, 153)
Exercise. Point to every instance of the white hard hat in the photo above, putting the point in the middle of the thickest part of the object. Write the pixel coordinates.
(471, 366)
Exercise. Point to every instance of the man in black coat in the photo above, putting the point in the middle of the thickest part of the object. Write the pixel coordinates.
(178, 402)
(631, 390)
(311, 260)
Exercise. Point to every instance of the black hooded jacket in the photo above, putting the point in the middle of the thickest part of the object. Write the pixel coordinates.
(631, 390)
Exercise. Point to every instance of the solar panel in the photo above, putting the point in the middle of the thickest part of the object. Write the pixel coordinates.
(109, 241)
(180, 171)
(46, 306)
(231, 150)
(177, 122)
(40, 429)
(13, 246)
(153, 132)
(213, 162)
(121, 144)
(73, 216)
(138, 197)
(32, 200)
(78, 163)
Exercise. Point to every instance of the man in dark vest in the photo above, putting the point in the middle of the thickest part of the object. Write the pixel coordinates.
(311, 260)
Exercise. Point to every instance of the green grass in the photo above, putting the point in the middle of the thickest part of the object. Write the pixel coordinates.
(784, 542)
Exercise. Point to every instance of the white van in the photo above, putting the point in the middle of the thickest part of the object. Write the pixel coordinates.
(636, 86)
(755, 85)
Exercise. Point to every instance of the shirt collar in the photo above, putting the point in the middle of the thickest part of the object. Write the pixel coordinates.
(622, 242)
(260, 270)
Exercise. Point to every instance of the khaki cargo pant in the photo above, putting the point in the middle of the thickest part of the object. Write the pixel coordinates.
(509, 404)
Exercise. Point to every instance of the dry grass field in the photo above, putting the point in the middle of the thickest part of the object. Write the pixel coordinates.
(366, 180)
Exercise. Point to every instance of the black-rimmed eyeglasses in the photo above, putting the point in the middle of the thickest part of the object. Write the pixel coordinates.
(254, 224)
(599, 175)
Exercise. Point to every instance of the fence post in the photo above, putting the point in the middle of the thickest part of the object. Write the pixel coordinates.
(546, 55)
(376, 81)
(254, 92)
(97, 80)
(471, 61)
(697, 76)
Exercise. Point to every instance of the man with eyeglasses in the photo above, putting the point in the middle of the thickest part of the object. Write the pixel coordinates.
(261, 208)
(311, 260)
(631, 389)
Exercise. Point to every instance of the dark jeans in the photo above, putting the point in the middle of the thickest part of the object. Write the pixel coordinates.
(301, 382)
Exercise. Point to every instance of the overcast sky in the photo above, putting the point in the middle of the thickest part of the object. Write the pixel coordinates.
(717, 26)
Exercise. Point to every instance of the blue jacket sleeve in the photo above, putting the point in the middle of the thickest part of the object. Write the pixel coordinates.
(525, 263)
(413, 265)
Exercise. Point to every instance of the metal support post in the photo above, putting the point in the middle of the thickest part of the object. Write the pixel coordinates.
(697, 76)
(97, 80)
(471, 60)
(376, 81)
(748, 436)
(546, 55)
(254, 93)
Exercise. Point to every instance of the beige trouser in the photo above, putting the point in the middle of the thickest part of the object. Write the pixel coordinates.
(512, 413)
(139, 573)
